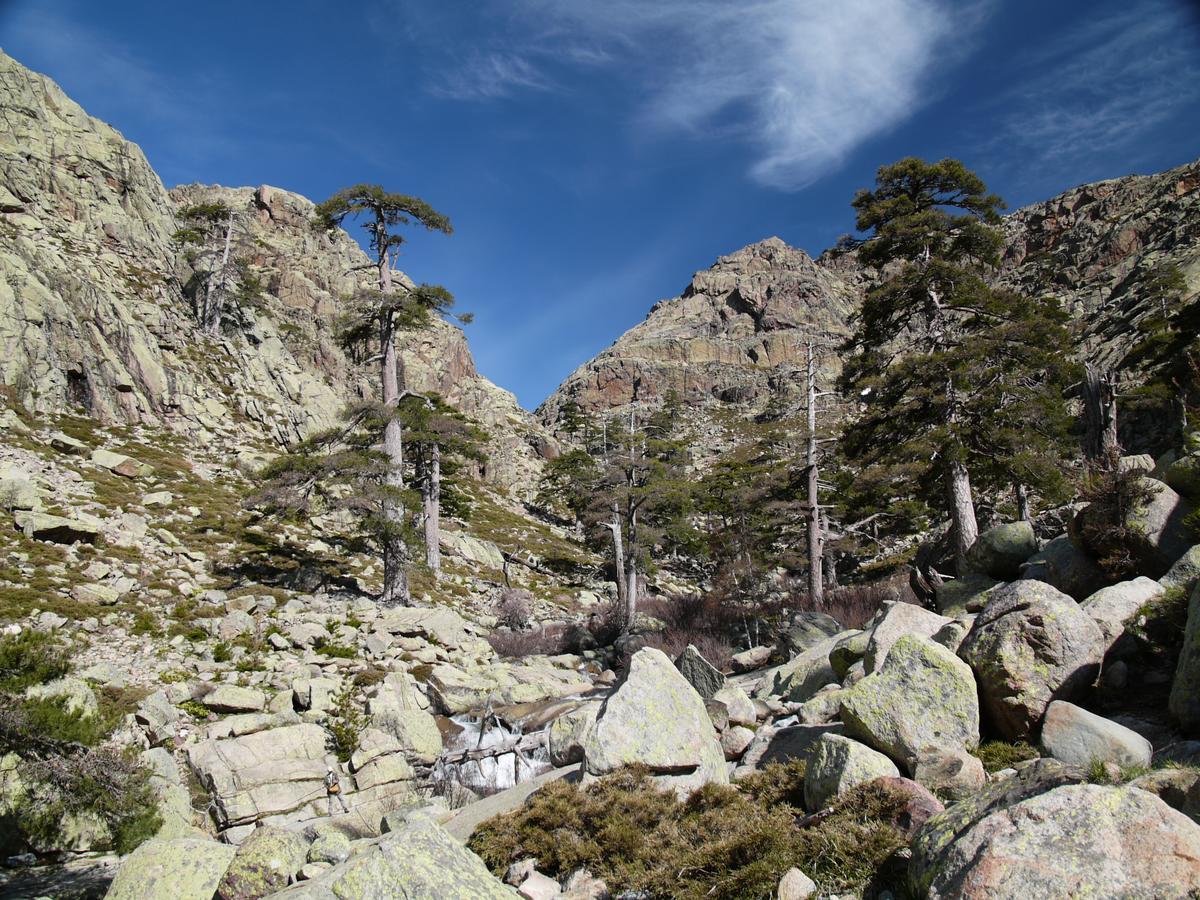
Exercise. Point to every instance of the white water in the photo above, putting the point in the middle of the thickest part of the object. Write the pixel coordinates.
(494, 773)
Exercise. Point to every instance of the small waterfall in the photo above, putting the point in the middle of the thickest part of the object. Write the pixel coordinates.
(488, 756)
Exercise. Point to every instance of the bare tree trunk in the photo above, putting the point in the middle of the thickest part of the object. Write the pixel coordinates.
(618, 557)
(1100, 416)
(631, 586)
(828, 562)
(395, 578)
(214, 293)
(433, 512)
(962, 510)
(816, 539)
(1022, 502)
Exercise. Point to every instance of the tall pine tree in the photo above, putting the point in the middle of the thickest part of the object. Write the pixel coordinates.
(959, 382)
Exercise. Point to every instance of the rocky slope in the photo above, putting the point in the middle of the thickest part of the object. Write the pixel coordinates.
(94, 319)
(735, 336)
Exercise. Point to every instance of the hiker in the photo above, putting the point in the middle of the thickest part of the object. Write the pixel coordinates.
(333, 788)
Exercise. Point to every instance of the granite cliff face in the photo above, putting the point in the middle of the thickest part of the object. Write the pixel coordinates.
(94, 315)
(735, 336)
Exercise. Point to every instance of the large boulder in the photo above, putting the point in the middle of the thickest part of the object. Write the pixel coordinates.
(1078, 737)
(566, 734)
(1063, 565)
(1111, 607)
(261, 774)
(806, 629)
(1031, 644)
(185, 869)
(1080, 840)
(1000, 551)
(57, 529)
(836, 764)
(657, 719)
(952, 775)
(266, 862)
(801, 678)
(967, 594)
(397, 708)
(230, 698)
(1184, 573)
(1183, 475)
(895, 620)
(922, 699)
(1157, 526)
(418, 860)
(773, 744)
(1184, 701)
(699, 672)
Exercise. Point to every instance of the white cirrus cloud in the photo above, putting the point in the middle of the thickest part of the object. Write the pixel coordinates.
(803, 82)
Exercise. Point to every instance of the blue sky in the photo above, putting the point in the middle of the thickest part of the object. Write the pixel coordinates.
(593, 153)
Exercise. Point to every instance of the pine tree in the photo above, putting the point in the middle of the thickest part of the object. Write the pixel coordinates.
(959, 381)
(387, 309)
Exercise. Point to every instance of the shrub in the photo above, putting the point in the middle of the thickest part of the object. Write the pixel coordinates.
(29, 658)
(513, 608)
(777, 783)
(855, 604)
(335, 650)
(222, 653)
(698, 619)
(1159, 624)
(145, 622)
(195, 709)
(50, 717)
(345, 723)
(722, 842)
(1104, 529)
(997, 755)
(549, 640)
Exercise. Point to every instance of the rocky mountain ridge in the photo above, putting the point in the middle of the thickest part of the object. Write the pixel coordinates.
(94, 317)
(734, 337)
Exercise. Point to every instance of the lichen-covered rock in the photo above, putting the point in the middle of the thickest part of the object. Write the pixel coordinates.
(1064, 566)
(1000, 551)
(1111, 607)
(951, 774)
(230, 698)
(1184, 573)
(332, 847)
(565, 737)
(266, 862)
(848, 651)
(1074, 841)
(699, 672)
(185, 869)
(1078, 737)
(749, 660)
(895, 620)
(836, 764)
(800, 678)
(657, 719)
(418, 860)
(1183, 475)
(806, 629)
(1184, 701)
(923, 698)
(1179, 788)
(740, 707)
(970, 593)
(1032, 644)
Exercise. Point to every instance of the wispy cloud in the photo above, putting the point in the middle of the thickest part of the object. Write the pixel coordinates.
(1106, 83)
(803, 82)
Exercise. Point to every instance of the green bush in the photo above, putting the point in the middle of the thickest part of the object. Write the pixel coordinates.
(29, 658)
(1159, 624)
(50, 717)
(722, 842)
(345, 723)
(335, 650)
(145, 622)
(222, 653)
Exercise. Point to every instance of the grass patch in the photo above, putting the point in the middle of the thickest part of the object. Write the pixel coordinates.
(997, 755)
(722, 842)
(29, 658)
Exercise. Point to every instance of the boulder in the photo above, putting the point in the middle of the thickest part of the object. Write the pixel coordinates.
(848, 651)
(699, 672)
(1179, 788)
(919, 804)
(1183, 475)
(800, 678)
(807, 629)
(1032, 644)
(898, 619)
(937, 839)
(397, 709)
(261, 774)
(184, 869)
(418, 860)
(970, 593)
(332, 847)
(1078, 737)
(657, 719)
(56, 529)
(18, 492)
(565, 737)
(1063, 565)
(795, 885)
(952, 775)
(75, 693)
(120, 464)
(1157, 526)
(440, 625)
(266, 862)
(735, 740)
(1081, 840)
(773, 744)
(1000, 551)
(230, 698)
(1184, 572)
(1184, 701)
(235, 624)
(1111, 607)
(923, 698)
(749, 660)
(739, 706)
(836, 764)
